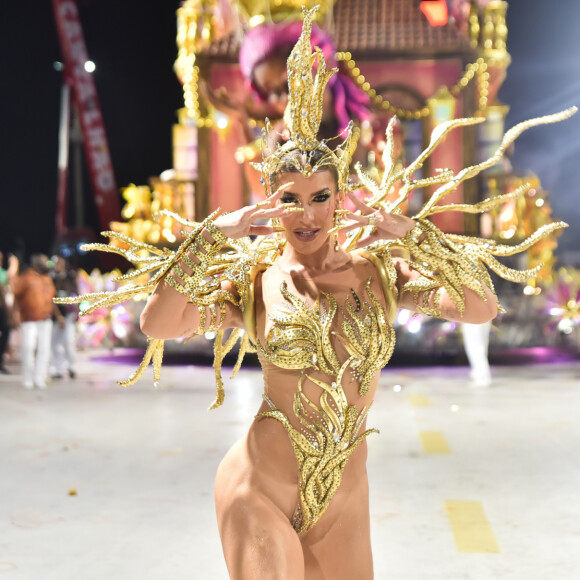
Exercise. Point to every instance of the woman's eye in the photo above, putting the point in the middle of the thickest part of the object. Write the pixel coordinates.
(288, 199)
(321, 198)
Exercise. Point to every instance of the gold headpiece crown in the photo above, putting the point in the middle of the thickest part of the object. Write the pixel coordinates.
(303, 115)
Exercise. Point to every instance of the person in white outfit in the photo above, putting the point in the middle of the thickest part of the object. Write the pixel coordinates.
(63, 352)
(34, 291)
(476, 343)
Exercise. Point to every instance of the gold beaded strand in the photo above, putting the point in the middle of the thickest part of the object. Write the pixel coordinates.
(476, 69)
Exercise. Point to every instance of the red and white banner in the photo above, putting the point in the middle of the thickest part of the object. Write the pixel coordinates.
(87, 103)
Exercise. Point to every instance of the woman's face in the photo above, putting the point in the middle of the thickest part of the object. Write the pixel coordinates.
(307, 230)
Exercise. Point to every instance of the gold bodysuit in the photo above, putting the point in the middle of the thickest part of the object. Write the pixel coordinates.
(326, 350)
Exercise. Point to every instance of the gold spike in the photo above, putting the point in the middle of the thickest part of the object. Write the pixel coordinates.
(155, 351)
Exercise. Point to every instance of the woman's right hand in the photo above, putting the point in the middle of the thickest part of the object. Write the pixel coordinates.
(169, 313)
(242, 222)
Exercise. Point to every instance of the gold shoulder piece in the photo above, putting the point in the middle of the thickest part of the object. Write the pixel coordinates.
(387, 278)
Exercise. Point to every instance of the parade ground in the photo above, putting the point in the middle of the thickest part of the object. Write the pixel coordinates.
(100, 482)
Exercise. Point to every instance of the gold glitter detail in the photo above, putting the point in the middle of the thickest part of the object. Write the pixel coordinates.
(371, 339)
(220, 351)
(324, 447)
(184, 282)
(154, 351)
(234, 261)
(301, 336)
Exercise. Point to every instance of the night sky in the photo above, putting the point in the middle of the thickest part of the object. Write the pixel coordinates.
(133, 46)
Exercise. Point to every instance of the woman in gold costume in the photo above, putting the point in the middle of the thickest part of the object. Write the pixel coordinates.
(297, 507)
(292, 495)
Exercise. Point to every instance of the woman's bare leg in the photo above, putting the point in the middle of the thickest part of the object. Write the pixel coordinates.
(338, 547)
(258, 540)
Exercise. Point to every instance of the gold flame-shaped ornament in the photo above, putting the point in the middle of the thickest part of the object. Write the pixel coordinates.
(449, 261)
(303, 116)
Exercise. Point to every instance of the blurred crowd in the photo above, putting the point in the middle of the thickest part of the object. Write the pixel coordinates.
(33, 329)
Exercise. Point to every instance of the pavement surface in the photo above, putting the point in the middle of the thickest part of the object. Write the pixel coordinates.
(98, 482)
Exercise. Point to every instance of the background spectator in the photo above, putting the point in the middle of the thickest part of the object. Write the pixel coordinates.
(33, 293)
(63, 350)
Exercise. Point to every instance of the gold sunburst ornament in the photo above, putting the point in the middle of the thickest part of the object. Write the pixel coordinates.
(448, 261)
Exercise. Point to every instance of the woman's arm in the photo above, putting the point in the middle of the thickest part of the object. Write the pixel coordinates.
(171, 314)
(440, 268)
(186, 301)
(437, 301)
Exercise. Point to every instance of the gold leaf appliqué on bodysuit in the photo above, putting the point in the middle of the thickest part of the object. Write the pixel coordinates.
(301, 339)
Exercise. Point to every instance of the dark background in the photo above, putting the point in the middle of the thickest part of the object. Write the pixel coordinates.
(133, 46)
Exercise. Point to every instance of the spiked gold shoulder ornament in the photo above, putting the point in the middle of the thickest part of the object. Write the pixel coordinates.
(449, 261)
(237, 262)
(303, 115)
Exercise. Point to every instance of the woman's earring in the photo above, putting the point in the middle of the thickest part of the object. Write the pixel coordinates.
(337, 222)
(278, 236)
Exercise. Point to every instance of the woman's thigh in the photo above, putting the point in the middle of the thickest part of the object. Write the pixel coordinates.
(257, 537)
(339, 545)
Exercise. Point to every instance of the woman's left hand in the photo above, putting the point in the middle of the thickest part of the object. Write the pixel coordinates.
(387, 226)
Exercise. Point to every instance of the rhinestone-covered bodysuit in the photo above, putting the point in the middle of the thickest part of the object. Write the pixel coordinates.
(327, 351)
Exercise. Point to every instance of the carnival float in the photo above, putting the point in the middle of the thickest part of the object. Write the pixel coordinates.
(423, 62)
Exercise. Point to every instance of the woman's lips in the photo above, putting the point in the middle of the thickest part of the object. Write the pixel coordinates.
(305, 235)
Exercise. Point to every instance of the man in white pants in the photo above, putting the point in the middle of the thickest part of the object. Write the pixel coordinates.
(63, 357)
(476, 342)
(33, 292)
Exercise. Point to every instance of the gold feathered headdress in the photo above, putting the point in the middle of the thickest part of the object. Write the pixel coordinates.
(303, 115)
